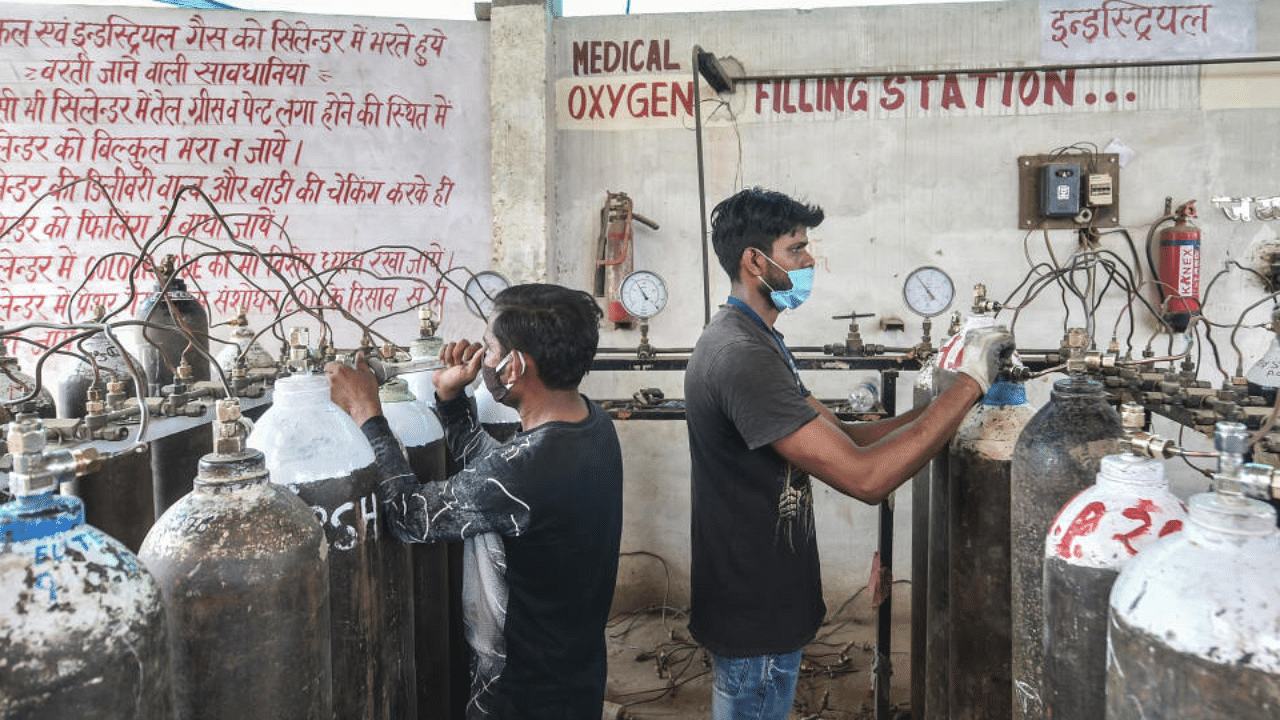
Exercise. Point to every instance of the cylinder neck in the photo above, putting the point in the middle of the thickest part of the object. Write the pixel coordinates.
(395, 390)
(1132, 471)
(1232, 517)
(303, 388)
(175, 285)
(1077, 388)
(426, 347)
(221, 472)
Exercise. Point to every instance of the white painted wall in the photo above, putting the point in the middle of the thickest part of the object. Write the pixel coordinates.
(901, 188)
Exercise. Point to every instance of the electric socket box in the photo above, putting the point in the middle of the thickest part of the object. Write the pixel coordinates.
(1090, 210)
(1060, 190)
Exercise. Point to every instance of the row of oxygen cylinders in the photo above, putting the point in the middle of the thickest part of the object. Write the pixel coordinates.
(1056, 577)
(115, 500)
(272, 589)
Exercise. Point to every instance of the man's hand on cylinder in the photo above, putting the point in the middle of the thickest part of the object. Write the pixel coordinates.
(354, 389)
(986, 351)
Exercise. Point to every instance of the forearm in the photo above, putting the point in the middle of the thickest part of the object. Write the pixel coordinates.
(914, 443)
(476, 500)
(397, 482)
(869, 473)
(465, 436)
(867, 433)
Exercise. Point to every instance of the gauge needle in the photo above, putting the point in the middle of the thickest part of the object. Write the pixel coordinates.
(926, 289)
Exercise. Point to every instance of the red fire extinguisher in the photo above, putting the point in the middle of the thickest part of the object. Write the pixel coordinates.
(614, 257)
(1179, 274)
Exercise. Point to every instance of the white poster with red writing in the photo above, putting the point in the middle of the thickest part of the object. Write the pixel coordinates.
(283, 160)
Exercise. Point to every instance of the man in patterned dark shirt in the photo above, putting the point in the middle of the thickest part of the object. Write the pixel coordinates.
(540, 515)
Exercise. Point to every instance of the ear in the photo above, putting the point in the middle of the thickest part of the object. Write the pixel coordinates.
(750, 264)
(521, 366)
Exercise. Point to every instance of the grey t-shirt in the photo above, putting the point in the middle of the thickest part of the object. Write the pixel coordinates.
(756, 584)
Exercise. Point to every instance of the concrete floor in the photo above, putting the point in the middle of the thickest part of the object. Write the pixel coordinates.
(656, 671)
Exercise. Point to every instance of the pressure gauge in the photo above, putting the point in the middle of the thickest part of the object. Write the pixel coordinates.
(928, 291)
(480, 291)
(643, 294)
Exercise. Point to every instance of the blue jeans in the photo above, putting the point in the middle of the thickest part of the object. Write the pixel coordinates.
(754, 688)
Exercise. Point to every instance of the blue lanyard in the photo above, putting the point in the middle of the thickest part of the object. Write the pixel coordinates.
(786, 352)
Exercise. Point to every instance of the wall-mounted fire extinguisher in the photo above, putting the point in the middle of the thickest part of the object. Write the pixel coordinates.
(614, 259)
(1178, 276)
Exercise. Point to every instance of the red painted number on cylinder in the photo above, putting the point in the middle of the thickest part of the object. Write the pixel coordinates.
(1086, 522)
(1142, 513)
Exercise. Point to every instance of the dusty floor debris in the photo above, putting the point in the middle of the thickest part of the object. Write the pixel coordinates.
(657, 671)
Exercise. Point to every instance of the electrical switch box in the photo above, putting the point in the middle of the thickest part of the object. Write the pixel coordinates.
(1060, 190)
(1068, 191)
(1099, 190)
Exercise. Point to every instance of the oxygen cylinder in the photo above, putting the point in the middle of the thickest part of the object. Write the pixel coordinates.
(243, 346)
(500, 421)
(315, 449)
(936, 555)
(104, 361)
(243, 566)
(1194, 629)
(15, 384)
(1180, 268)
(616, 253)
(82, 624)
(1263, 376)
(438, 568)
(416, 427)
(1095, 535)
(422, 436)
(118, 499)
(981, 645)
(182, 322)
(1056, 456)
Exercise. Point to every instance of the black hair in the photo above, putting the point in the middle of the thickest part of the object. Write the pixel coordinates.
(558, 327)
(755, 218)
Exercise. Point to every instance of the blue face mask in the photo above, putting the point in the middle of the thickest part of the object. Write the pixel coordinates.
(801, 287)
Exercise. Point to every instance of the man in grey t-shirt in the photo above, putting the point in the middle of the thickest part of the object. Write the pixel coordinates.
(756, 436)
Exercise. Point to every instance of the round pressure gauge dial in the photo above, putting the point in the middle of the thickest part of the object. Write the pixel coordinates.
(928, 291)
(643, 294)
(481, 289)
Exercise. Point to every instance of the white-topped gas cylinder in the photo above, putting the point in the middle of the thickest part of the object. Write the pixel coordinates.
(313, 447)
(1095, 535)
(1194, 624)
